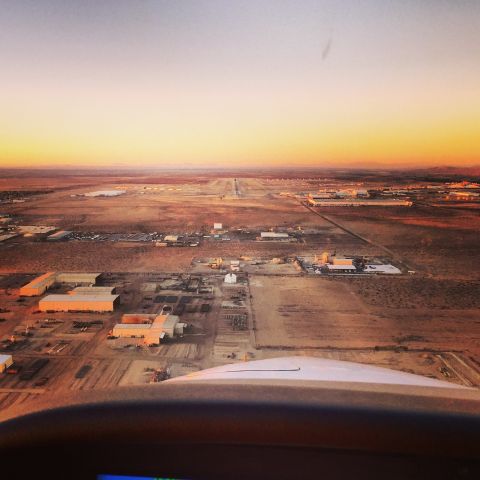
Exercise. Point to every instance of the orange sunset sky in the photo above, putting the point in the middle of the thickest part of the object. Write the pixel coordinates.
(258, 83)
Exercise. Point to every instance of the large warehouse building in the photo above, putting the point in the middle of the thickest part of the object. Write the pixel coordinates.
(39, 285)
(153, 333)
(320, 201)
(78, 303)
(78, 278)
(92, 291)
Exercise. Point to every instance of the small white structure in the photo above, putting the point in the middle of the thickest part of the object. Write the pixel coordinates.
(385, 268)
(340, 268)
(5, 362)
(105, 193)
(362, 193)
(217, 226)
(171, 238)
(230, 278)
(60, 235)
(273, 235)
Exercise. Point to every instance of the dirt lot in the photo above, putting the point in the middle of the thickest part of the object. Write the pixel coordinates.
(333, 315)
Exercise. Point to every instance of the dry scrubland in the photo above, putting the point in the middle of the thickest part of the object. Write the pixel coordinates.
(155, 212)
(365, 320)
(410, 293)
(124, 257)
(312, 312)
(426, 323)
(185, 210)
(439, 242)
(191, 209)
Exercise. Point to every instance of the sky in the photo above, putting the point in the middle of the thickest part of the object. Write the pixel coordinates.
(239, 83)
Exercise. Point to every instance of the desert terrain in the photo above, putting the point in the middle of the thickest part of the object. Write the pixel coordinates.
(425, 320)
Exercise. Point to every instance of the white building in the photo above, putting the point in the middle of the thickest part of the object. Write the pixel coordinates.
(217, 226)
(341, 268)
(230, 278)
(273, 235)
(385, 268)
(362, 192)
(171, 238)
(105, 193)
(5, 362)
(152, 332)
(60, 235)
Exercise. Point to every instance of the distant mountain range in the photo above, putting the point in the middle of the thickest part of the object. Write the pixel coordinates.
(464, 172)
(446, 170)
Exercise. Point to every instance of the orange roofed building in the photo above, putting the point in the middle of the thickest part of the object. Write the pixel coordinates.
(78, 303)
(39, 285)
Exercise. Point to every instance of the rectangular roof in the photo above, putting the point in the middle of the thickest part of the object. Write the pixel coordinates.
(4, 358)
(86, 276)
(105, 193)
(340, 267)
(132, 326)
(385, 268)
(92, 290)
(170, 321)
(59, 234)
(274, 234)
(40, 280)
(79, 298)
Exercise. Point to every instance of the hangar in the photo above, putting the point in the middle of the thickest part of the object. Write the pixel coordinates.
(39, 285)
(92, 291)
(153, 333)
(78, 303)
(78, 277)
